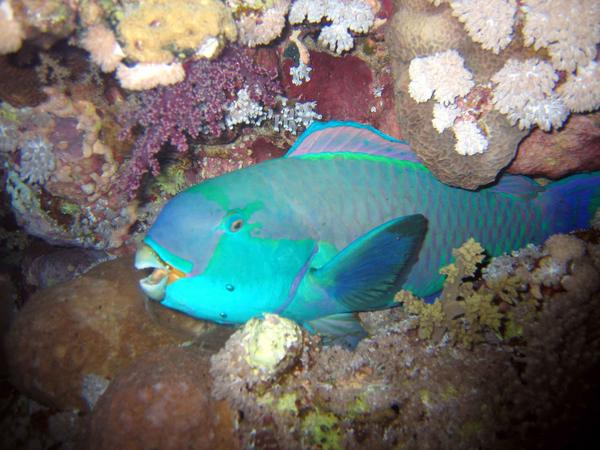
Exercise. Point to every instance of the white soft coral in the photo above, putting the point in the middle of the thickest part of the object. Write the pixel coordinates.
(524, 91)
(569, 29)
(344, 15)
(442, 75)
(488, 22)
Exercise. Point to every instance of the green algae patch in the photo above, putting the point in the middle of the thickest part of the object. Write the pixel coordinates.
(449, 393)
(360, 405)
(469, 429)
(286, 404)
(322, 429)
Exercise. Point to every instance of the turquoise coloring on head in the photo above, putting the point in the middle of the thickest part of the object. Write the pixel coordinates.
(339, 225)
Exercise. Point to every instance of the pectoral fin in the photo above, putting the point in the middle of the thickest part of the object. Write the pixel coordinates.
(367, 272)
(338, 329)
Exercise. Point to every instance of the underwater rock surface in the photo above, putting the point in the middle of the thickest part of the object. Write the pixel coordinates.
(92, 326)
(163, 401)
(574, 148)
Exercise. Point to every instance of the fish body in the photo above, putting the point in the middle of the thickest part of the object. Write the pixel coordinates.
(339, 225)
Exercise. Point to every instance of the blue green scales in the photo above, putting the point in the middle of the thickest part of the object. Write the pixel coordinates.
(341, 223)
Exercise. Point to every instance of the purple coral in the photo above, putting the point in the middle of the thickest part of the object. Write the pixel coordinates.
(196, 106)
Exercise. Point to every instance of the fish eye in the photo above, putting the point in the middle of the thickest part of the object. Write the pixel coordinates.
(236, 225)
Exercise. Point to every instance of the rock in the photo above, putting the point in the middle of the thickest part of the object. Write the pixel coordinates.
(574, 148)
(94, 326)
(46, 266)
(163, 401)
(347, 88)
(341, 86)
(8, 302)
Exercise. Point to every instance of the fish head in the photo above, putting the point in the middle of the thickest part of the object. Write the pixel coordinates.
(216, 257)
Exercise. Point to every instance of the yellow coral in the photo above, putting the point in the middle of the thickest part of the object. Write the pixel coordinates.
(481, 309)
(468, 256)
(432, 317)
(250, 5)
(156, 31)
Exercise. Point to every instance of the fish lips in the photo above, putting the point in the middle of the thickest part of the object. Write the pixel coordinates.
(163, 274)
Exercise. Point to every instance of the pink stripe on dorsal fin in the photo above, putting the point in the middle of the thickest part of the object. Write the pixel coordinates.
(349, 137)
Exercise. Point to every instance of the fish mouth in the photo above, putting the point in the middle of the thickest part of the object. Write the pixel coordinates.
(162, 275)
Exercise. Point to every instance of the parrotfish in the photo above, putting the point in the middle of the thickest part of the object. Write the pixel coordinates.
(341, 223)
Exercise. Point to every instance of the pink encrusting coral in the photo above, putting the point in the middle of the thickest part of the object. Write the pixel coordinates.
(194, 107)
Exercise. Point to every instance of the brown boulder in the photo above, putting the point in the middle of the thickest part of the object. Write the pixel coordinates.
(163, 401)
(573, 148)
(71, 339)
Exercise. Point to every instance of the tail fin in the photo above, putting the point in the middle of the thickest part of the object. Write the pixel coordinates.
(571, 203)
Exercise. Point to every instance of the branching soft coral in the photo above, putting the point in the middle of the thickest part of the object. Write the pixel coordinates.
(442, 75)
(345, 16)
(490, 23)
(524, 92)
(261, 25)
(569, 30)
(196, 106)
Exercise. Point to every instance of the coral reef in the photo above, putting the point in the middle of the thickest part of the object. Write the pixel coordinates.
(569, 31)
(101, 43)
(144, 76)
(37, 161)
(158, 35)
(505, 357)
(259, 23)
(344, 15)
(62, 178)
(433, 54)
(44, 22)
(155, 31)
(295, 118)
(194, 107)
(536, 79)
(257, 354)
(476, 369)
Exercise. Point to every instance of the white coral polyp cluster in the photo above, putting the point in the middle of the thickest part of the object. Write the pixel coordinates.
(260, 26)
(444, 116)
(37, 161)
(524, 91)
(292, 119)
(581, 91)
(442, 75)
(344, 15)
(489, 23)
(569, 29)
(300, 73)
(470, 140)
(244, 110)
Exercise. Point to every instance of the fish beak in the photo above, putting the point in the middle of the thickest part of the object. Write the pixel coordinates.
(155, 284)
(155, 290)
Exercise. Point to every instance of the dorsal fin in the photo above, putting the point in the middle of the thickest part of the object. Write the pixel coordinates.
(353, 137)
